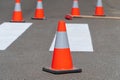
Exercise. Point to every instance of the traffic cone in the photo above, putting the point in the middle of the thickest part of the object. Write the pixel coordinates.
(39, 11)
(75, 11)
(62, 60)
(99, 10)
(17, 13)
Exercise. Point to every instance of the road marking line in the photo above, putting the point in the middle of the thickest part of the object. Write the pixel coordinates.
(79, 38)
(9, 32)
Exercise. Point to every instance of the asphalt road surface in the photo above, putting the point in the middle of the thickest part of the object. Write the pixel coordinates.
(24, 59)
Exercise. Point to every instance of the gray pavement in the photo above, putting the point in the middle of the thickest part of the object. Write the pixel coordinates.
(24, 59)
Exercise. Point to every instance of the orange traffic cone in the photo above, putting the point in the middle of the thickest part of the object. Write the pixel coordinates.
(75, 11)
(99, 10)
(17, 14)
(62, 60)
(39, 11)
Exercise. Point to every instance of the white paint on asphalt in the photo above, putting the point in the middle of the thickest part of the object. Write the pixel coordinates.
(79, 38)
(9, 32)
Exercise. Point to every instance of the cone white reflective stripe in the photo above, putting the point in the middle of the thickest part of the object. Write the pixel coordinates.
(99, 3)
(17, 7)
(75, 4)
(39, 5)
(61, 40)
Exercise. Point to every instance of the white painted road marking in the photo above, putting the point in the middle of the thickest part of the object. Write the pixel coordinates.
(9, 32)
(79, 38)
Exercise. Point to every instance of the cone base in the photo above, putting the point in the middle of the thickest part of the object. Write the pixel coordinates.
(34, 18)
(17, 21)
(76, 70)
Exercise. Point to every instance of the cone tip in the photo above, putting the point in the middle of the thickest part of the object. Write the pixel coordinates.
(61, 26)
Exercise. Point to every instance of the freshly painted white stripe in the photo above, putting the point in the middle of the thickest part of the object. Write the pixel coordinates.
(75, 4)
(39, 5)
(99, 3)
(61, 40)
(9, 32)
(79, 38)
(17, 7)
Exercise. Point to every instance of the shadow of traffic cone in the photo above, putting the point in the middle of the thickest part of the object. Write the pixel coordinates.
(99, 10)
(75, 11)
(17, 13)
(62, 60)
(39, 11)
